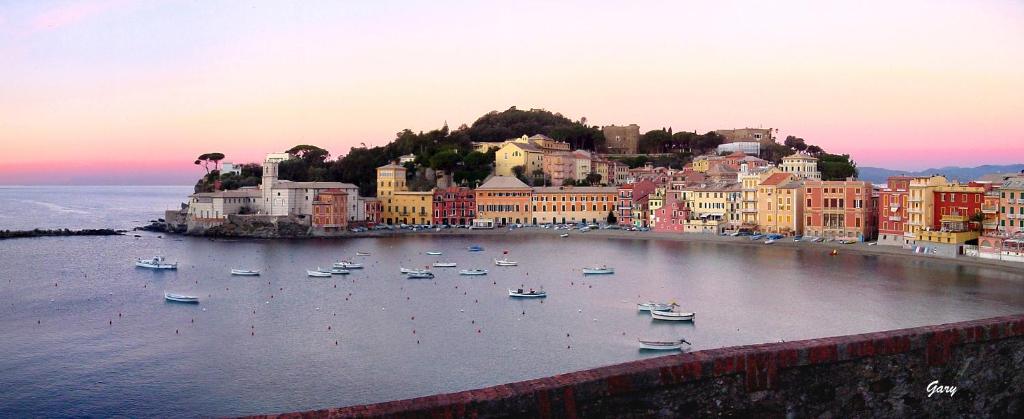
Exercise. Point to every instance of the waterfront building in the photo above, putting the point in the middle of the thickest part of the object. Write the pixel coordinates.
(750, 179)
(801, 165)
(920, 211)
(215, 207)
(957, 200)
(568, 204)
(990, 207)
(330, 210)
(716, 206)
(779, 204)
(503, 200)
(639, 210)
(746, 135)
(399, 205)
(621, 139)
(372, 209)
(454, 205)
(840, 209)
(283, 198)
(654, 202)
(672, 216)
(1011, 205)
(627, 195)
(892, 212)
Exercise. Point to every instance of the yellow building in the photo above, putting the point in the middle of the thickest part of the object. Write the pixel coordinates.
(568, 204)
(780, 205)
(702, 163)
(398, 204)
(921, 208)
(750, 179)
(719, 202)
(502, 200)
(655, 201)
(518, 153)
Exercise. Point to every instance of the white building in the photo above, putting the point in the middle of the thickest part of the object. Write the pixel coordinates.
(801, 165)
(283, 197)
(406, 158)
(218, 205)
(749, 148)
(229, 167)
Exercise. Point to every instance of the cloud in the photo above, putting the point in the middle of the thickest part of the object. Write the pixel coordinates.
(71, 13)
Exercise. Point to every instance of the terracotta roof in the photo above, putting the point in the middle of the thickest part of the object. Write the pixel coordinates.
(581, 189)
(391, 166)
(503, 182)
(526, 146)
(776, 178)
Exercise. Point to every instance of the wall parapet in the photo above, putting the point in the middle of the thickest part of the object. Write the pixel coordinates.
(881, 373)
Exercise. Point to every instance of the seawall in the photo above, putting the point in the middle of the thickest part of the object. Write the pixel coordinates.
(883, 374)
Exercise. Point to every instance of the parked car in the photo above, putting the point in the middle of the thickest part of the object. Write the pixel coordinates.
(757, 237)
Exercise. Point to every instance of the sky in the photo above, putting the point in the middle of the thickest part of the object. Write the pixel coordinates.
(130, 92)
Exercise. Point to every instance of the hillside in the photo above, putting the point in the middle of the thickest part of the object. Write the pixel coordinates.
(963, 174)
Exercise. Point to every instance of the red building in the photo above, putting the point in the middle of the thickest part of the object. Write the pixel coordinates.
(957, 201)
(373, 209)
(629, 194)
(840, 209)
(892, 211)
(454, 205)
(330, 210)
(672, 215)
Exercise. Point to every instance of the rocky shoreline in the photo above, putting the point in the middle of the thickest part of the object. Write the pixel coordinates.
(20, 234)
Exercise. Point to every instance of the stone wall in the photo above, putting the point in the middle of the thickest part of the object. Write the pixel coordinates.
(883, 374)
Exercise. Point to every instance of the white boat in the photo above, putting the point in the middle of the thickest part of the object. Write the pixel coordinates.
(420, 274)
(362, 253)
(662, 345)
(473, 272)
(157, 262)
(769, 241)
(180, 298)
(347, 264)
(505, 262)
(244, 272)
(520, 293)
(434, 253)
(602, 270)
(563, 235)
(405, 270)
(340, 271)
(671, 316)
(653, 306)
(444, 264)
(318, 273)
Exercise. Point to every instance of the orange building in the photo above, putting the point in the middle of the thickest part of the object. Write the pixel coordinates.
(502, 200)
(840, 209)
(330, 210)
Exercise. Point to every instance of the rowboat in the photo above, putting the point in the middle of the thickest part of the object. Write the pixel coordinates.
(475, 248)
(434, 253)
(505, 262)
(405, 270)
(671, 315)
(603, 270)
(519, 293)
(340, 271)
(318, 273)
(662, 345)
(244, 272)
(769, 241)
(473, 272)
(563, 235)
(180, 298)
(653, 306)
(420, 274)
(444, 264)
(362, 253)
(347, 264)
(157, 262)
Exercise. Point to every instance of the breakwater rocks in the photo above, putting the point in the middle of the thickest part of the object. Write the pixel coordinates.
(18, 234)
(967, 369)
(253, 226)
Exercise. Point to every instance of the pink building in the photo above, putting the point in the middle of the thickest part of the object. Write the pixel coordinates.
(840, 209)
(627, 197)
(672, 215)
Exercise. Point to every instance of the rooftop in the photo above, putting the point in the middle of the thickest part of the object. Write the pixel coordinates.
(503, 182)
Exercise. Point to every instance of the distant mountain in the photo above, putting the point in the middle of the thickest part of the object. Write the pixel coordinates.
(962, 174)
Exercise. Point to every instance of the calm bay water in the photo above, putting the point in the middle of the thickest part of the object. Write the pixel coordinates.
(87, 334)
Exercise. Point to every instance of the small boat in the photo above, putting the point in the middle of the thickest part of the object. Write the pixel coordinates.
(362, 253)
(475, 248)
(444, 264)
(180, 298)
(671, 315)
(563, 235)
(653, 306)
(318, 273)
(405, 270)
(340, 271)
(434, 253)
(602, 270)
(662, 345)
(769, 241)
(157, 262)
(519, 293)
(505, 262)
(347, 264)
(420, 274)
(244, 272)
(473, 272)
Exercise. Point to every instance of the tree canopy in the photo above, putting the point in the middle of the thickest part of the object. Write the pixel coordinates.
(512, 123)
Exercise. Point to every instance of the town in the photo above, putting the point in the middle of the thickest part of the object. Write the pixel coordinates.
(728, 191)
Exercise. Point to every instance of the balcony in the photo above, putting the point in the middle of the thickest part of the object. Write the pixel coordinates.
(947, 237)
(990, 225)
(895, 218)
(989, 209)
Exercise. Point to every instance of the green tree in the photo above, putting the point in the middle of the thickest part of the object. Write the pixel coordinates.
(311, 154)
(593, 179)
(208, 159)
(446, 160)
(656, 141)
(520, 173)
(611, 218)
(795, 143)
(836, 166)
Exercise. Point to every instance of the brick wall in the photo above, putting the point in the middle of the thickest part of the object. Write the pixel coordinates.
(874, 374)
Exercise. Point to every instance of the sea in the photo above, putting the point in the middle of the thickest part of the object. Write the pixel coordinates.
(86, 333)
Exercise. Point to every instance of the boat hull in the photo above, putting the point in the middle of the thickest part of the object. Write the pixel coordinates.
(653, 307)
(474, 272)
(670, 316)
(444, 264)
(516, 294)
(587, 271)
(318, 274)
(499, 262)
(176, 298)
(239, 272)
(660, 346)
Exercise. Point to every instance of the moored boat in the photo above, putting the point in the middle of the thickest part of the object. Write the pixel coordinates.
(473, 272)
(420, 274)
(340, 271)
(180, 298)
(662, 345)
(769, 241)
(156, 262)
(601, 270)
(347, 264)
(444, 264)
(520, 293)
(318, 273)
(362, 253)
(405, 270)
(245, 272)
(563, 235)
(475, 248)
(653, 306)
(671, 315)
(434, 253)
(505, 262)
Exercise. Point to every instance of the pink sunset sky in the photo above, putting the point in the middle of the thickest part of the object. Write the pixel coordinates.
(130, 92)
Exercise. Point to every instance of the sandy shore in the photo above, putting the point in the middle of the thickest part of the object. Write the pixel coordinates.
(825, 247)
